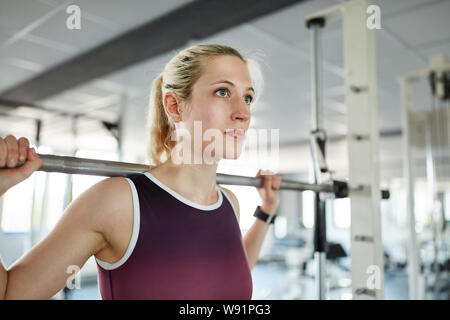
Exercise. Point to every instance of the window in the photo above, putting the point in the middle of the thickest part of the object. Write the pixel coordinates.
(280, 227)
(248, 197)
(340, 208)
(17, 204)
(57, 186)
(308, 200)
(341, 213)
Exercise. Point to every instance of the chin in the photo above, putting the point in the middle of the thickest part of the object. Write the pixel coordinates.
(232, 156)
(225, 156)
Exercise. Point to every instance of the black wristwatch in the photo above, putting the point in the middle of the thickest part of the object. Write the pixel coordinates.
(261, 215)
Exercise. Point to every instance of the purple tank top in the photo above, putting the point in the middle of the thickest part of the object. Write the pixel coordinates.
(178, 249)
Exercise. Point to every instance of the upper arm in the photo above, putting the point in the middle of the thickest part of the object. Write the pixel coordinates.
(235, 202)
(78, 235)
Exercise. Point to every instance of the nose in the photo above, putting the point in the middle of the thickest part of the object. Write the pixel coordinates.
(241, 112)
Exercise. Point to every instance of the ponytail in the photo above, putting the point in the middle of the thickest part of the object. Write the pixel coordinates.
(161, 128)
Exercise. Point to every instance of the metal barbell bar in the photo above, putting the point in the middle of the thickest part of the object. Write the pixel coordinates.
(75, 165)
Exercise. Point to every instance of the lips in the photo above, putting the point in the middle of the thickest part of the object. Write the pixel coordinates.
(236, 133)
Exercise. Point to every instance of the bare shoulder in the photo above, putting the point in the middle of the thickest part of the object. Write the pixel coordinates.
(104, 199)
(234, 200)
(111, 204)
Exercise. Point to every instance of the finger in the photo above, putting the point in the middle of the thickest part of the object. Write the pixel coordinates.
(266, 173)
(268, 183)
(262, 172)
(12, 151)
(2, 153)
(277, 182)
(33, 163)
(23, 148)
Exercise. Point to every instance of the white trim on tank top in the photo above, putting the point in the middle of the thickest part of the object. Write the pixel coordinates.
(231, 202)
(134, 235)
(183, 199)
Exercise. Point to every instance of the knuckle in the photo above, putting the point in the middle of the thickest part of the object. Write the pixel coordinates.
(23, 141)
(10, 137)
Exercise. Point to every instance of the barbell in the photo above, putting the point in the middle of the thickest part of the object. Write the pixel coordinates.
(84, 166)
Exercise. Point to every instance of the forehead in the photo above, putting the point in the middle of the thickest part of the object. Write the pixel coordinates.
(224, 67)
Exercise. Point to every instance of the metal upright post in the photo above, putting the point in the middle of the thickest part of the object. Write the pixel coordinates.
(318, 153)
(431, 182)
(361, 98)
(408, 168)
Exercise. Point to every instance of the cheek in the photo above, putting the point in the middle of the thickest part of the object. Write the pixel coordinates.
(212, 113)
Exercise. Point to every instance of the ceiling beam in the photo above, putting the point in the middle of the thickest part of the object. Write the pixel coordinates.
(193, 21)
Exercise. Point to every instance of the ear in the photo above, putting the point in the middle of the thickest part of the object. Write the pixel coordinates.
(172, 106)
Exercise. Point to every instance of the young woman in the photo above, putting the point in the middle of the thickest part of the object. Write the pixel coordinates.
(171, 232)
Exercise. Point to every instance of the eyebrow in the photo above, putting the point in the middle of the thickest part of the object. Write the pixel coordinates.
(232, 84)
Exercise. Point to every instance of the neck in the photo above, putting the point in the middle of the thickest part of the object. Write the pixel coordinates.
(198, 181)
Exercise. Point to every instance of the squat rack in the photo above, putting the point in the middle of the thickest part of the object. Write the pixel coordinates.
(367, 267)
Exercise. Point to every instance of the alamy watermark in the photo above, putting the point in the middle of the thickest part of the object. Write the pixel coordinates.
(211, 145)
(73, 281)
(374, 280)
(374, 20)
(73, 21)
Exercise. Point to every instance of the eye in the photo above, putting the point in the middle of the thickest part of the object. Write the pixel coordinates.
(249, 99)
(222, 90)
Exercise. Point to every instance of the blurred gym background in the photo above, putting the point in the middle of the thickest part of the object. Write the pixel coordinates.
(57, 90)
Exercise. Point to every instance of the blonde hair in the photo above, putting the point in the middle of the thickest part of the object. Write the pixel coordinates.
(179, 76)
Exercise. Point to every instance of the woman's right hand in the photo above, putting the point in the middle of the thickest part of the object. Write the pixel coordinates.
(11, 152)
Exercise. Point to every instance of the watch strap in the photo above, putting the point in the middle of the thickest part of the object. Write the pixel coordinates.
(267, 218)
